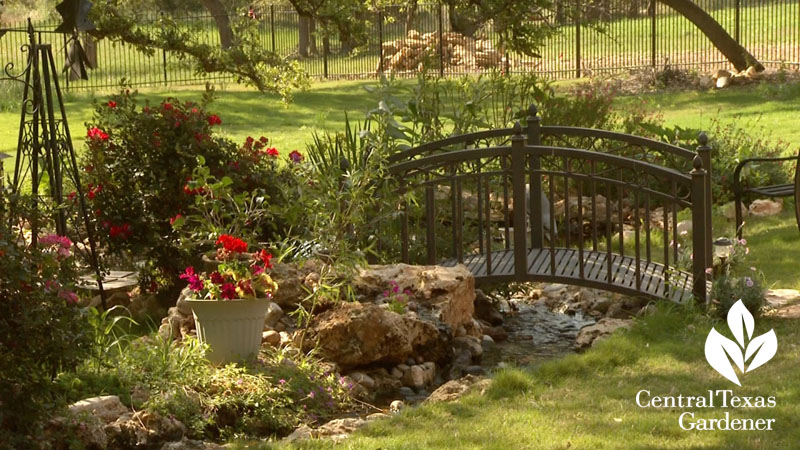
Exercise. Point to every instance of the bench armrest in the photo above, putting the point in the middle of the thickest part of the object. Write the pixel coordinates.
(737, 187)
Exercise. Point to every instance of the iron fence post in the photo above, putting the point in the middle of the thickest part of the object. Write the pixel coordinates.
(441, 47)
(652, 33)
(533, 122)
(699, 211)
(578, 39)
(518, 186)
(272, 25)
(380, 41)
(737, 24)
(325, 48)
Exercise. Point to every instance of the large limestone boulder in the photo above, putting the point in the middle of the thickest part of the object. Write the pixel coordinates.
(107, 408)
(358, 334)
(763, 207)
(602, 329)
(448, 291)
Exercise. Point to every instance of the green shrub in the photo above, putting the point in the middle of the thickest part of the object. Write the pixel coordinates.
(42, 331)
(139, 171)
(731, 143)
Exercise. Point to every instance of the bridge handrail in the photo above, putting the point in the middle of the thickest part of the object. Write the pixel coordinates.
(439, 159)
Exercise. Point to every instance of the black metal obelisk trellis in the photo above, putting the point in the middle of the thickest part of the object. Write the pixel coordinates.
(45, 153)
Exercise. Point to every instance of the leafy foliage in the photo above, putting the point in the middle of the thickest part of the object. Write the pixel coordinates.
(140, 166)
(42, 330)
(269, 397)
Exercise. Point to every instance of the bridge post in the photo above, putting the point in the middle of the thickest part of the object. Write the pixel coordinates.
(704, 150)
(700, 236)
(533, 124)
(518, 185)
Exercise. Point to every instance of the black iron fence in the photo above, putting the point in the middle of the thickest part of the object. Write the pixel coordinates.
(610, 36)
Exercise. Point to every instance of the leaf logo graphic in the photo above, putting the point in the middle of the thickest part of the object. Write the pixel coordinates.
(724, 354)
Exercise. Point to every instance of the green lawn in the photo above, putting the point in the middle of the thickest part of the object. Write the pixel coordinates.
(588, 401)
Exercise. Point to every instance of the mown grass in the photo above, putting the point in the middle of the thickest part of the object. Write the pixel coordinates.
(587, 401)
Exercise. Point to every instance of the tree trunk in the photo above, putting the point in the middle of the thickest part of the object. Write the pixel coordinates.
(312, 34)
(463, 22)
(411, 16)
(304, 38)
(736, 54)
(217, 10)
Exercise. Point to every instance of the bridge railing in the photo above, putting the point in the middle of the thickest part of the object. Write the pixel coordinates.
(510, 211)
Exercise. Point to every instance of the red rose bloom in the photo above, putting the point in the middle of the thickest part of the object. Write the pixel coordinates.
(214, 120)
(112, 104)
(96, 134)
(272, 151)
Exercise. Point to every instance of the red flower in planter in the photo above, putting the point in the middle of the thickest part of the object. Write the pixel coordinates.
(228, 291)
(167, 106)
(214, 120)
(195, 283)
(232, 244)
(96, 134)
(272, 151)
(112, 104)
(217, 278)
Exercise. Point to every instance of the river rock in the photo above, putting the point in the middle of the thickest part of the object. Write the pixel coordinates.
(587, 336)
(273, 315)
(396, 406)
(447, 291)
(764, 207)
(357, 334)
(415, 377)
(485, 309)
(143, 429)
(191, 444)
(271, 337)
(454, 389)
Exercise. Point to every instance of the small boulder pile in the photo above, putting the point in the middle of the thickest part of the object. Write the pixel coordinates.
(458, 51)
(723, 78)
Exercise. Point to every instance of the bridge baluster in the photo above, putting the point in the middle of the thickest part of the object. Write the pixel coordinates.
(609, 239)
(637, 225)
(430, 227)
(553, 235)
(579, 184)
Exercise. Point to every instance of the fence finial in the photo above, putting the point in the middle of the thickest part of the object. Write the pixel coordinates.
(517, 128)
(697, 163)
(702, 139)
(532, 110)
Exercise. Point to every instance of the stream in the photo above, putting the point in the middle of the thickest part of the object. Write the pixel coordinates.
(535, 335)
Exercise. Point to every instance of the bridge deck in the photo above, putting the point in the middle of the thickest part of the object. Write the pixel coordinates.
(566, 269)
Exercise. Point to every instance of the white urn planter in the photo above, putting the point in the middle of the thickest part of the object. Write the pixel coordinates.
(231, 328)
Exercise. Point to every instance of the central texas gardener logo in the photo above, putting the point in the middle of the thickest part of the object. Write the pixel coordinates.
(723, 354)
